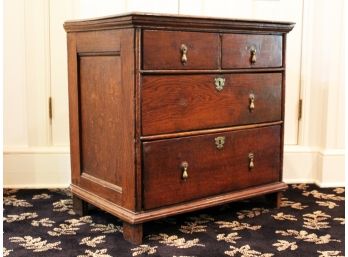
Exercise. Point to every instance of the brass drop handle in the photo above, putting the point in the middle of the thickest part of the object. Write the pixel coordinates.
(253, 55)
(183, 49)
(184, 166)
(251, 102)
(251, 161)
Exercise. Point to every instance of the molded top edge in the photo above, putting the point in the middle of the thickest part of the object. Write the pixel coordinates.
(174, 20)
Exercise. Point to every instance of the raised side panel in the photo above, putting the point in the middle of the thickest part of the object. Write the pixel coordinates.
(101, 88)
(101, 117)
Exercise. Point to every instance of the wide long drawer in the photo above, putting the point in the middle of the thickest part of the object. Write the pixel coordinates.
(183, 169)
(190, 102)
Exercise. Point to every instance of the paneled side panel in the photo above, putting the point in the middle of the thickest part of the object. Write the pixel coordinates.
(100, 117)
(101, 98)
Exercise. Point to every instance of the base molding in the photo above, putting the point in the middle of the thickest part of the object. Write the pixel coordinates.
(49, 167)
(153, 214)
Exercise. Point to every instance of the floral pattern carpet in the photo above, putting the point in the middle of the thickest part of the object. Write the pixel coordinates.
(309, 223)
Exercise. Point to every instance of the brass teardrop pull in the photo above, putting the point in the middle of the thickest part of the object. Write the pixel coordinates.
(183, 50)
(253, 55)
(251, 102)
(184, 166)
(251, 161)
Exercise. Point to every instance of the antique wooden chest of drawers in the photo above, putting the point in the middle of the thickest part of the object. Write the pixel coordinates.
(171, 114)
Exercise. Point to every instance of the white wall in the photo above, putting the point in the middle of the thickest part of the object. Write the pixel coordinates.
(15, 116)
(35, 155)
(321, 135)
(36, 152)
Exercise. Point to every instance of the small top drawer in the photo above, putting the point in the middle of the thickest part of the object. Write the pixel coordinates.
(251, 51)
(170, 50)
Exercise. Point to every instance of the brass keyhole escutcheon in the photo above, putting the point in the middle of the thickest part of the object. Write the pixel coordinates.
(219, 83)
(183, 49)
(253, 55)
(219, 142)
(184, 166)
(251, 102)
(251, 161)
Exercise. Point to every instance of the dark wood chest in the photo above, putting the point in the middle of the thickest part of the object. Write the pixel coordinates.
(171, 114)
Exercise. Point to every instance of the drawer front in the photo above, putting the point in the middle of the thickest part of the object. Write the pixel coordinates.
(168, 50)
(251, 51)
(216, 163)
(188, 102)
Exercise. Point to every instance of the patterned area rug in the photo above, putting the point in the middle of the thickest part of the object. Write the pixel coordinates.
(309, 223)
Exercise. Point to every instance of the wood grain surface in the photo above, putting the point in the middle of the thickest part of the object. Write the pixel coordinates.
(100, 87)
(101, 94)
(211, 171)
(137, 112)
(161, 50)
(191, 102)
(236, 51)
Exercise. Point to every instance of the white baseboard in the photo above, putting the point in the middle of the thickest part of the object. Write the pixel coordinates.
(313, 165)
(300, 164)
(331, 164)
(49, 167)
